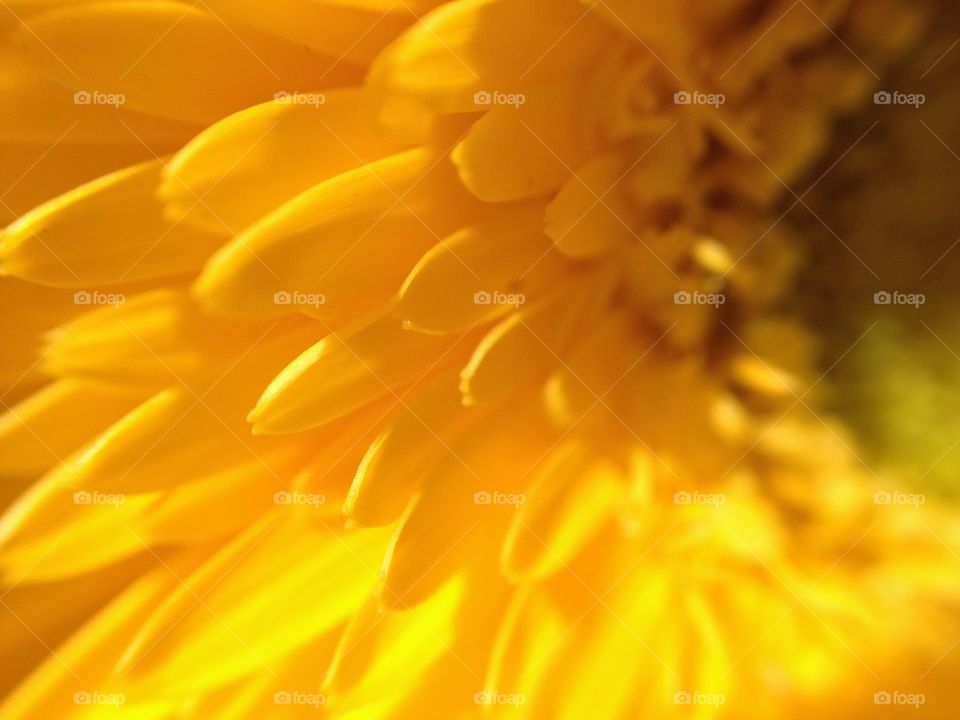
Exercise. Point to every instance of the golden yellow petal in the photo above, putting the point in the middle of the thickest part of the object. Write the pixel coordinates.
(62, 242)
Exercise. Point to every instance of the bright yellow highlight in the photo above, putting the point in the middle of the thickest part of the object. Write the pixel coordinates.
(478, 359)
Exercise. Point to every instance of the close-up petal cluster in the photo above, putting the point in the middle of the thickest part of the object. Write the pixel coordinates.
(451, 359)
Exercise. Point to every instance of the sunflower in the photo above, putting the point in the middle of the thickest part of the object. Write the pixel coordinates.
(481, 358)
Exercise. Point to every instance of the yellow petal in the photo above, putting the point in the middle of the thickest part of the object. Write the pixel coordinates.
(170, 59)
(181, 516)
(38, 611)
(532, 629)
(590, 215)
(85, 661)
(63, 243)
(419, 434)
(252, 162)
(464, 505)
(326, 476)
(624, 628)
(581, 391)
(528, 342)
(35, 172)
(306, 578)
(457, 50)
(34, 109)
(38, 310)
(256, 694)
(181, 435)
(522, 151)
(342, 247)
(479, 273)
(53, 531)
(353, 29)
(345, 371)
(152, 339)
(372, 642)
(408, 664)
(665, 27)
(43, 429)
(567, 503)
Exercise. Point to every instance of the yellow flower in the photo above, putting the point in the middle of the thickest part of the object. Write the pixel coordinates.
(483, 358)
